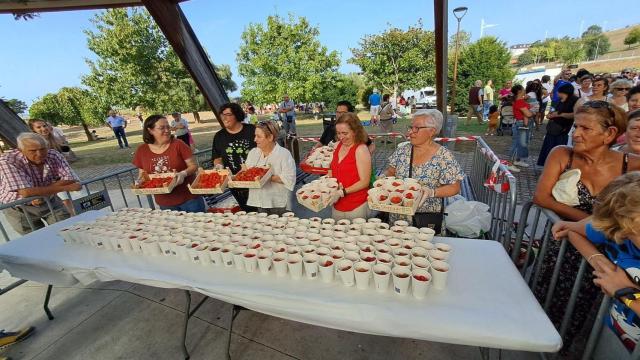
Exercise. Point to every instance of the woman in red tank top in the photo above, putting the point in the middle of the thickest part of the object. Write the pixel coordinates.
(351, 165)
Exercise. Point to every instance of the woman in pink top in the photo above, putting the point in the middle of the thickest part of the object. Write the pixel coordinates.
(351, 165)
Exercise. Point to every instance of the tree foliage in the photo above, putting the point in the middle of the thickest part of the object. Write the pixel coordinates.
(136, 65)
(18, 106)
(633, 37)
(344, 87)
(464, 41)
(397, 59)
(284, 57)
(70, 106)
(487, 58)
(595, 42)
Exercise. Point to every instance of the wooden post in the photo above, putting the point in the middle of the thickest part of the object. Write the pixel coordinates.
(176, 29)
(440, 14)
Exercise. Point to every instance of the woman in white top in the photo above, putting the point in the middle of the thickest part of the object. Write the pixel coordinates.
(275, 196)
(619, 90)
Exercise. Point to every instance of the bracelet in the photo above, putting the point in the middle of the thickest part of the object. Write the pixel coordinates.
(592, 256)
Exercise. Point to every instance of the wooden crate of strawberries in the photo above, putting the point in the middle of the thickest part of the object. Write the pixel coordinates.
(251, 178)
(156, 184)
(210, 182)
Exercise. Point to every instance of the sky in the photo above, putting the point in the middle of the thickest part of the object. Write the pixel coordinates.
(47, 53)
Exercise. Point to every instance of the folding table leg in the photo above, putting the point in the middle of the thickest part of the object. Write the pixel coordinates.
(234, 312)
(46, 302)
(186, 325)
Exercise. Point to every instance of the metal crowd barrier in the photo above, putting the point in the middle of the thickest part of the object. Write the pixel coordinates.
(530, 248)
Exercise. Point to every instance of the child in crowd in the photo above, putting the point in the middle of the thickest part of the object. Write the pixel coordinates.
(493, 120)
(615, 227)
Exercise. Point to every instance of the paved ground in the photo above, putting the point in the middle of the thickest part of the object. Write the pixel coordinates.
(119, 320)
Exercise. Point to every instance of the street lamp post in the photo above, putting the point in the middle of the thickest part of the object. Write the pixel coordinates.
(459, 13)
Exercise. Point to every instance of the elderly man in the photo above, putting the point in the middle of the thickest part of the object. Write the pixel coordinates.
(34, 170)
(287, 112)
(118, 124)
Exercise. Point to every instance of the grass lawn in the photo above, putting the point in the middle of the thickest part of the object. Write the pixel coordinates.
(92, 153)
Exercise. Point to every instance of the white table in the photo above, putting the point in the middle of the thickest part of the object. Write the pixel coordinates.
(486, 303)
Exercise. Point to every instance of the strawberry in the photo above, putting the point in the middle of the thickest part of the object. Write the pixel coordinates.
(396, 200)
(409, 196)
(420, 277)
(383, 197)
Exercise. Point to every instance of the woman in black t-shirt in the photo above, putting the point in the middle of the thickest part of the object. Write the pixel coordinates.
(232, 144)
(560, 122)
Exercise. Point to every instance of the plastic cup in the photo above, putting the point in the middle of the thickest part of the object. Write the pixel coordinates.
(308, 249)
(351, 247)
(401, 262)
(182, 250)
(345, 270)
(203, 254)
(420, 282)
(215, 253)
(294, 263)
(195, 253)
(238, 257)
(250, 260)
(381, 275)
(264, 261)
(385, 259)
(326, 266)
(337, 245)
(439, 272)
(368, 257)
(323, 251)
(435, 255)
(383, 249)
(401, 280)
(362, 272)
(408, 244)
(280, 263)
(394, 243)
(443, 247)
(401, 223)
(280, 248)
(337, 254)
(378, 239)
(227, 254)
(419, 252)
(420, 263)
(352, 255)
(401, 252)
(291, 250)
(367, 248)
(310, 262)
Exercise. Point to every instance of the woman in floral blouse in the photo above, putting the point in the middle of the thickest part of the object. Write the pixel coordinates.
(431, 164)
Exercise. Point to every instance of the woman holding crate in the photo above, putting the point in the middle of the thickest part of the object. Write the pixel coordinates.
(163, 153)
(275, 195)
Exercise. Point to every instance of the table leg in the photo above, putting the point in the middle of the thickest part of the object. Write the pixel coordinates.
(46, 302)
(186, 325)
(234, 312)
(486, 353)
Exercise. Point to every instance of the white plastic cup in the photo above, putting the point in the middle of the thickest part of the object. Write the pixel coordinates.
(308, 249)
(420, 282)
(196, 252)
(323, 251)
(238, 257)
(345, 270)
(419, 251)
(383, 249)
(250, 260)
(443, 247)
(294, 263)
(401, 280)
(182, 250)
(402, 262)
(408, 244)
(420, 263)
(401, 252)
(227, 255)
(215, 253)
(437, 255)
(310, 262)
(326, 266)
(264, 261)
(352, 255)
(362, 272)
(385, 259)
(280, 263)
(351, 247)
(203, 254)
(439, 272)
(381, 275)
(164, 247)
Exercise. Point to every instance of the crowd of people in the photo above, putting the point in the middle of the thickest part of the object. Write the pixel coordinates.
(590, 158)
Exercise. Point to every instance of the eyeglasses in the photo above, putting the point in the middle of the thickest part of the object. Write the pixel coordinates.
(415, 129)
(268, 126)
(227, 114)
(162, 128)
(622, 89)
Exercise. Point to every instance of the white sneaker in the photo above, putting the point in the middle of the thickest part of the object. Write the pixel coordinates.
(513, 168)
(521, 164)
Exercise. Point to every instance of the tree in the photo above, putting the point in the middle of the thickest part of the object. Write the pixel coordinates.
(284, 57)
(465, 40)
(136, 65)
(487, 58)
(570, 51)
(343, 87)
(18, 106)
(595, 42)
(633, 37)
(70, 106)
(397, 59)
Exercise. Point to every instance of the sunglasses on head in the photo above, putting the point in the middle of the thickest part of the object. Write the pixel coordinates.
(599, 104)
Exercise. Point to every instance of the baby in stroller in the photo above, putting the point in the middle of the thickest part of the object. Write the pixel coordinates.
(506, 115)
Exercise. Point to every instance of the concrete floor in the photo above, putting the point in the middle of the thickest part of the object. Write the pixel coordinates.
(119, 320)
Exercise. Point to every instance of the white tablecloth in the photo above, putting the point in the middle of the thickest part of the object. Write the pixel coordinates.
(485, 304)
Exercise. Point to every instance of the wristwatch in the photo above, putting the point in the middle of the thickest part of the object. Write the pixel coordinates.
(627, 295)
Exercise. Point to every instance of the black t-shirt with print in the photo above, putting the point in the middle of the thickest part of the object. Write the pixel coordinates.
(233, 148)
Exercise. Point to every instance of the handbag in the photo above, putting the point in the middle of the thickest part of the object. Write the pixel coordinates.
(431, 220)
(554, 128)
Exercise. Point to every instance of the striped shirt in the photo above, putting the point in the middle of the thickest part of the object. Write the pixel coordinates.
(16, 172)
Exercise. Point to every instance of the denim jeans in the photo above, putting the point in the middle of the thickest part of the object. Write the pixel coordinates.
(118, 131)
(519, 141)
(190, 206)
(289, 124)
(485, 110)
